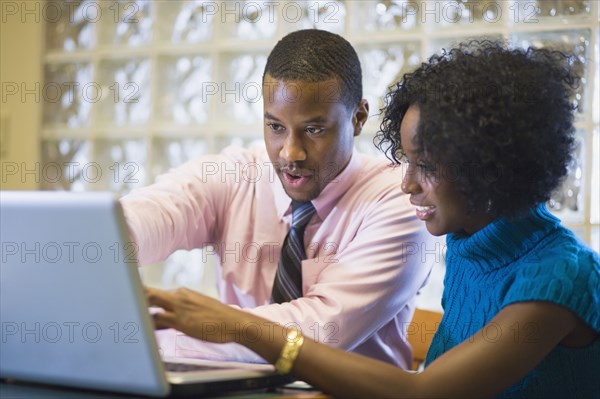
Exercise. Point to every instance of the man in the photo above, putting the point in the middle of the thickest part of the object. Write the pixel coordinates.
(361, 240)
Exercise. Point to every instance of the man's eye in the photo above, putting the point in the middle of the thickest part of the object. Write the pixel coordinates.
(275, 127)
(314, 130)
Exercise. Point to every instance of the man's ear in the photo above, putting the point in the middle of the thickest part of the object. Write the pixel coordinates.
(361, 113)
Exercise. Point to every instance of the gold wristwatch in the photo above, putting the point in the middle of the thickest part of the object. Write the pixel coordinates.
(294, 341)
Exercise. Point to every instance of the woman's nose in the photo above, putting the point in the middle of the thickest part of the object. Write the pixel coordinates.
(410, 184)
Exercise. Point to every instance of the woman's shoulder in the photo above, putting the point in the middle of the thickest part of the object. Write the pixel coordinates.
(564, 271)
(559, 248)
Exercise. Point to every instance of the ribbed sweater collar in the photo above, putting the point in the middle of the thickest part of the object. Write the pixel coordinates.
(503, 240)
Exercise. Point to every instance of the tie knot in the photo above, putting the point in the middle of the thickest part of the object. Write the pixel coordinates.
(301, 213)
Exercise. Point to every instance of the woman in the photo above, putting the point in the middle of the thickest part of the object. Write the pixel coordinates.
(487, 134)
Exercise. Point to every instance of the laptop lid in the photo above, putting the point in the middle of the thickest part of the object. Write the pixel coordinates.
(72, 306)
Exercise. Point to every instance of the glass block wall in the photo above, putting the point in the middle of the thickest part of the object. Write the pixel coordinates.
(135, 87)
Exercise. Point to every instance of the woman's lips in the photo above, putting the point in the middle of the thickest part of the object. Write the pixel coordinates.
(424, 212)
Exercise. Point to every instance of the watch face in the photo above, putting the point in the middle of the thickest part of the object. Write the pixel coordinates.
(293, 335)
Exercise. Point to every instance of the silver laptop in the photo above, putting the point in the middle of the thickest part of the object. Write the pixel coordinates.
(72, 306)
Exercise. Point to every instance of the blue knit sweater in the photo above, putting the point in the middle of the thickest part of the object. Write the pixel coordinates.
(530, 259)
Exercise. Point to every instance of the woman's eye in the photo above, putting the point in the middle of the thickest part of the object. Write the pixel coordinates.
(425, 167)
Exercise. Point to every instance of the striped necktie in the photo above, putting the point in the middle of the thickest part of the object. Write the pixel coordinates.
(288, 279)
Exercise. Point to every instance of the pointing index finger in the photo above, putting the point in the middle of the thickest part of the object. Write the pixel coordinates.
(159, 298)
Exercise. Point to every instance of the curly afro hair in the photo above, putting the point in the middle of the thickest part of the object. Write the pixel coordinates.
(500, 118)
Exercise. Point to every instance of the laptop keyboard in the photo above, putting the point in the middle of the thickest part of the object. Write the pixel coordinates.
(186, 367)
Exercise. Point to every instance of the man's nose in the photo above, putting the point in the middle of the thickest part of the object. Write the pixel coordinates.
(293, 148)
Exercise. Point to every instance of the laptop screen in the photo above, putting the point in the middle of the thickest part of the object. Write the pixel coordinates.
(72, 307)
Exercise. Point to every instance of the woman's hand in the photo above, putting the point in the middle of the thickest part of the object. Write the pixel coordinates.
(197, 315)
(208, 319)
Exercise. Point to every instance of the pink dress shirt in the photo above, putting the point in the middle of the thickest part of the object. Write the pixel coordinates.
(363, 246)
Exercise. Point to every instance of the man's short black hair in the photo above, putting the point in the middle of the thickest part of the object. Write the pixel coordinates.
(313, 55)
